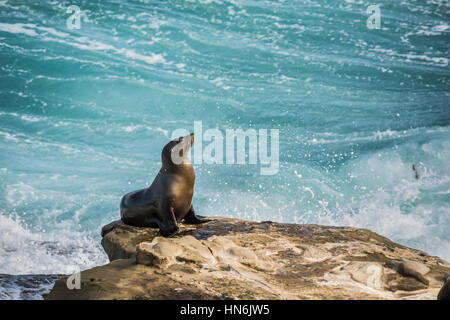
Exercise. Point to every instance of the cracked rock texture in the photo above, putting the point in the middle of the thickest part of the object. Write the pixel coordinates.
(236, 259)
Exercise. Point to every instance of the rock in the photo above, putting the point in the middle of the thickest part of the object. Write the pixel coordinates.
(121, 240)
(414, 269)
(109, 227)
(237, 259)
(409, 266)
(315, 254)
(163, 251)
(369, 274)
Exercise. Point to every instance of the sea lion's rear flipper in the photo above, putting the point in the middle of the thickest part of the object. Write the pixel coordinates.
(169, 227)
(192, 218)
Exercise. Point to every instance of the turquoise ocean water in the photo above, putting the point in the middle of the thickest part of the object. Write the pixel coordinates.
(85, 112)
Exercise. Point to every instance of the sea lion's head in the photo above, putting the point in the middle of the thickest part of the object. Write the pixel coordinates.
(176, 152)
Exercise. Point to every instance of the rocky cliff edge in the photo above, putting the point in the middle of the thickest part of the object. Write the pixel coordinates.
(236, 259)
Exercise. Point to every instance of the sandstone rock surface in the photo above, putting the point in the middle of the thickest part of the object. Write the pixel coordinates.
(237, 259)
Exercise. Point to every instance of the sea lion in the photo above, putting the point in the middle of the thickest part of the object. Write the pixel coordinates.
(169, 198)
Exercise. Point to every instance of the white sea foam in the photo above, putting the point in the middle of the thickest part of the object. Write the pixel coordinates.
(375, 136)
(145, 127)
(395, 204)
(82, 43)
(414, 56)
(18, 28)
(25, 252)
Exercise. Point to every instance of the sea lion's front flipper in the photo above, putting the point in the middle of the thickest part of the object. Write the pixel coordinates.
(192, 218)
(169, 227)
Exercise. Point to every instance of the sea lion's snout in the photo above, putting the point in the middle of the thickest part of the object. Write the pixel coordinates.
(190, 138)
(176, 152)
(187, 141)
